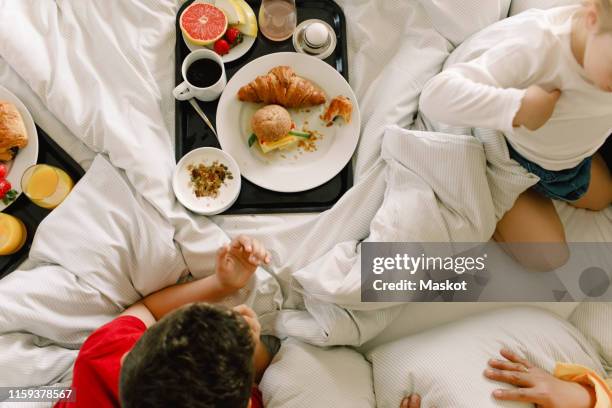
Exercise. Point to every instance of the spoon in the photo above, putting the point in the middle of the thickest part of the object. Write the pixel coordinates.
(202, 115)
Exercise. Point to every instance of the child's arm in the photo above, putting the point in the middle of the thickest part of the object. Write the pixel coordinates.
(236, 263)
(486, 93)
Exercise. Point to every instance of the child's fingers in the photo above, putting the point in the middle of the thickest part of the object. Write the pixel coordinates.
(507, 365)
(517, 394)
(412, 401)
(259, 250)
(244, 241)
(517, 378)
(258, 254)
(512, 356)
(244, 310)
(250, 317)
(221, 252)
(268, 257)
(253, 324)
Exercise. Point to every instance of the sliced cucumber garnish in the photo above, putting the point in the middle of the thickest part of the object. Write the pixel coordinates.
(252, 139)
(299, 134)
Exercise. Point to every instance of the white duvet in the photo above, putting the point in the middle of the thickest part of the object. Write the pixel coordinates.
(98, 77)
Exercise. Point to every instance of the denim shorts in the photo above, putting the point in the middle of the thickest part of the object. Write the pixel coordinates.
(566, 185)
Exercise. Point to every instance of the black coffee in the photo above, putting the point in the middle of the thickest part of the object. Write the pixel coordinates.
(203, 73)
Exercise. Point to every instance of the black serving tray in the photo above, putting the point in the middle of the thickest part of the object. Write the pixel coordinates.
(191, 132)
(49, 152)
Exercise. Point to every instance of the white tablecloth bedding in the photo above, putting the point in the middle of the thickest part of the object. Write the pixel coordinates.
(97, 76)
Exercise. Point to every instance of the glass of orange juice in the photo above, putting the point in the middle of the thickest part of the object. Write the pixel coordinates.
(13, 234)
(45, 185)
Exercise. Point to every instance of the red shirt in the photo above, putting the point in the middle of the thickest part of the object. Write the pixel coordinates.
(96, 370)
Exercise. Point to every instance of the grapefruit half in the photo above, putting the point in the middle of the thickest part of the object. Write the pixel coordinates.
(203, 23)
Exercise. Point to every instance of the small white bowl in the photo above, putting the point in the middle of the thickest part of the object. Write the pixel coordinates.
(228, 193)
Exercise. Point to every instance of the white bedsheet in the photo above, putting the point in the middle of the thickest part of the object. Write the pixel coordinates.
(98, 76)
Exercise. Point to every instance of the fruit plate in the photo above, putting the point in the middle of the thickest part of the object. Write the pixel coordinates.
(27, 156)
(292, 170)
(235, 52)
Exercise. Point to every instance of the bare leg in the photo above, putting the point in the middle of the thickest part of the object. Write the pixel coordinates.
(599, 195)
(533, 233)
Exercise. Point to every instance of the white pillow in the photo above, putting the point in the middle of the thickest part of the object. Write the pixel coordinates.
(457, 20)
(518, 6)
(445, 365)
(305, 376)
(594, 320)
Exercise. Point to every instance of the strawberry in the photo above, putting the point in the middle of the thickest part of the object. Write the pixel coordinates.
(5, 186)
(222, 47)
(233, 36)
(3, 170)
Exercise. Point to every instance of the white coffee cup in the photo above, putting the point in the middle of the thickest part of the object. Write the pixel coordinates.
(186, 90)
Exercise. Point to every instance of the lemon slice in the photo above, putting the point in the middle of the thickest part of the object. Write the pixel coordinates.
(12, 234)
(43, 183)
(250, 25)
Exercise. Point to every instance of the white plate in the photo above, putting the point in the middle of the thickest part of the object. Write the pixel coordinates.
(27, 156)
(235, 52)
(292, 170)
(228, 193)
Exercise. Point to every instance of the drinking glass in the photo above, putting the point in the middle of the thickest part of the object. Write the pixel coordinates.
(45, 185)
(277, 19)
(13, 234)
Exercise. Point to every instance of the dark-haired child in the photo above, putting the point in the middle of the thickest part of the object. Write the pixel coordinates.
(175, 349)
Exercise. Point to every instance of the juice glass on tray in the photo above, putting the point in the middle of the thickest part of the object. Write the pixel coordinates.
(13, 234)
(46, 186)
(277, 19)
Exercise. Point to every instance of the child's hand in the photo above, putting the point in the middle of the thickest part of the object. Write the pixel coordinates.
(238, 260)
(536, 386)
(251, 318)
(536, 108)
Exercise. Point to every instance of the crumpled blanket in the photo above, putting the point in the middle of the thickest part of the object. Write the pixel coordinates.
(103, 70)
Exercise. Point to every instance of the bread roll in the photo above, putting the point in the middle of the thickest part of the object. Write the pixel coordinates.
(271, 123)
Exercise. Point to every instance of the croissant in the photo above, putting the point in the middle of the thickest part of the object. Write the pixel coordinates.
(281, 86)
(339, 106)
(13, 135)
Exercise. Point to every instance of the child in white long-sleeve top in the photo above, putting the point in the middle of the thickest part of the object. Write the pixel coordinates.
(543, 78)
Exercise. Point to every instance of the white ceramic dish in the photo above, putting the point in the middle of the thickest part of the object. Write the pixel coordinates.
(235, 52)
(27, 156)
(292, 170)
(228, 193)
